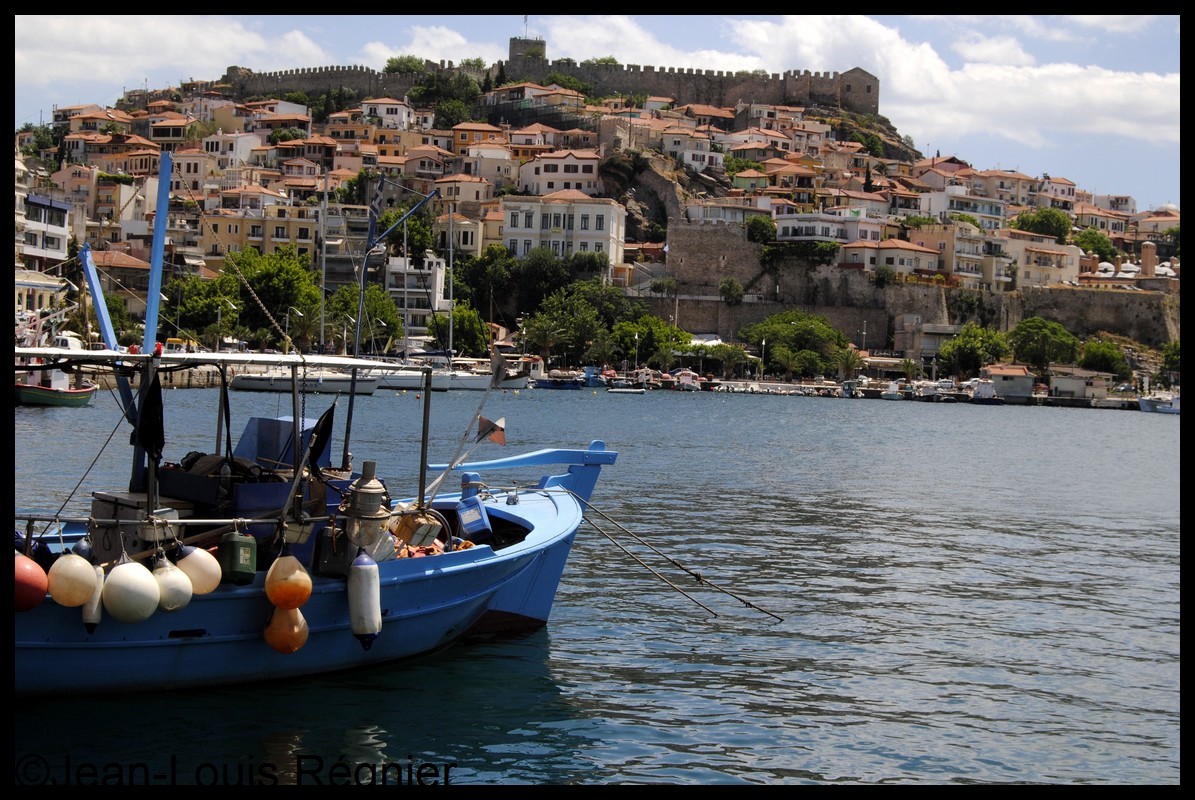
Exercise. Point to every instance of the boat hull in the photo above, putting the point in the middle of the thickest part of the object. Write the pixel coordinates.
(427, 603)
(559, 383)
(1159, 405)
(321, 384)
(31, 395)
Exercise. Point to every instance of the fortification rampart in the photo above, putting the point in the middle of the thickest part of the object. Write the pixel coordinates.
(854, 90)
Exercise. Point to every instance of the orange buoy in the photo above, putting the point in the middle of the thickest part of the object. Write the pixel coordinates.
(288, 585)
(32, 583)
(286, 631)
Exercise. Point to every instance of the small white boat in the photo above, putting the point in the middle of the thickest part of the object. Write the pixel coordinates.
(1159, 403)
(317, 381)
(895, 391)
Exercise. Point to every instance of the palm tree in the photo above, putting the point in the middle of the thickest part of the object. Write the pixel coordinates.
(849, 362)
(786, 359)
(910, 368)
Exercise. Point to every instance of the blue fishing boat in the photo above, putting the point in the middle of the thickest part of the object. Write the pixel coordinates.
(263, 559)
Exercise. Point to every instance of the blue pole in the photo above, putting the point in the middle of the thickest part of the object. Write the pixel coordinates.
(154, 296)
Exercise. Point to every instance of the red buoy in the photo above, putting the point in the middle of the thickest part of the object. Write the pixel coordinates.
(31, 583)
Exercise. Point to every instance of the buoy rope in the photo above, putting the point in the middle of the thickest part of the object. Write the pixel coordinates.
(695, 573)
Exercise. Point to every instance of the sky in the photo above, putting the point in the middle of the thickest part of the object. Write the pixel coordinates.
(1094, 99)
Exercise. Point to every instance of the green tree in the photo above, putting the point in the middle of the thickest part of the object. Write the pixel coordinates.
(884, 275)
(1171, 357)
(470, 334)
(566, 82)
(910, 368)
(1039, 342)
(379, 322)
(404, 65)
(286, 135)
(734, 165)
(849, 362)
(731, 291)
(1091, 240)
(536, 276)
(486, 278)
(418, 230)
(279, 280)
(730, 356)
(1049, 221)
(473, 63)
(761, 229)
(1104, 357)
(971, 349)
(784, 358)
(438, 87)
(450, 113)
(544, 334)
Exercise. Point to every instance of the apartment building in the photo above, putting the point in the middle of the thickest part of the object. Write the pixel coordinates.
(564, 222)
(575, 170)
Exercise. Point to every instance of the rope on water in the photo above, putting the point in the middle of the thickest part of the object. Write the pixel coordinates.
(696, 574)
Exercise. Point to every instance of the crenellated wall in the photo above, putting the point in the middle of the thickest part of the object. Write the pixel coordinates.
(855, 90)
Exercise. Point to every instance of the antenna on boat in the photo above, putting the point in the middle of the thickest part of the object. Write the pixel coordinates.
(372, 242)
(486, 430)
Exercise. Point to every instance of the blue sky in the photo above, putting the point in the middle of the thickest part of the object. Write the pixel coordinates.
(1094, 99)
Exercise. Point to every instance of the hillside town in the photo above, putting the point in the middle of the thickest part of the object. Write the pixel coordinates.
(262, 174)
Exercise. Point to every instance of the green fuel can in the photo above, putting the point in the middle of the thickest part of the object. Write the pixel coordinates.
(238, 558)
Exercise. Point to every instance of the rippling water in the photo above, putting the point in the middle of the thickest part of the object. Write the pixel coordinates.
(889, 593)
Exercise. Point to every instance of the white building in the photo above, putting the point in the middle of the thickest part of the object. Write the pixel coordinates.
(562, 170)
(564, 222)
(395, 114)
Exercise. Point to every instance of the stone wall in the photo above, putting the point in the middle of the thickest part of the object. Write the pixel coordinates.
(701, 255)
(855, 90)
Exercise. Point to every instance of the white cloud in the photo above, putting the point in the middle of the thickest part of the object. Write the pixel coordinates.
(993, 50)
(110, 49)
(434, 43)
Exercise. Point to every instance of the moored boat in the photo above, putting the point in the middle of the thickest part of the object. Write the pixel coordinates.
(304, 381)
(1159, 403)
(262, 559)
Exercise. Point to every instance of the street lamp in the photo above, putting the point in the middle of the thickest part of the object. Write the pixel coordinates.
(373, 345)
(763, 357)
(344, 332)
(286, 336)
(219, 327)
(636, 349)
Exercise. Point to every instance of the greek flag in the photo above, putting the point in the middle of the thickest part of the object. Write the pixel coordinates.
(375, 207)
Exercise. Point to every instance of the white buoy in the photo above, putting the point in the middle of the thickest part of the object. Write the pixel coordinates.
(93, 609)
(365, 599)
(131, 593)
(71, 580)
(174, 587)
(201, 567)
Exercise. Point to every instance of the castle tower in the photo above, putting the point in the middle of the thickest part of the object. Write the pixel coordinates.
(527, 48)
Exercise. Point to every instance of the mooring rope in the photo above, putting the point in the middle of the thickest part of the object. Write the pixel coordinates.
(696, 574)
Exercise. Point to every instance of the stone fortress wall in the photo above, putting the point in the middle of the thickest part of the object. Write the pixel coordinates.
(854, 90)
